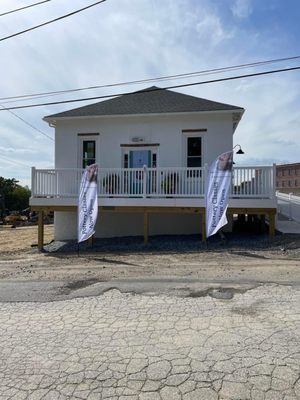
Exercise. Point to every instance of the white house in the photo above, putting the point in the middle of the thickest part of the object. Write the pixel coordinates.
(153, 148)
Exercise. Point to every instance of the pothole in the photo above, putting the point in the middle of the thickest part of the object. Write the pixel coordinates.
(218, 293)
(221, 293)
(75, 285)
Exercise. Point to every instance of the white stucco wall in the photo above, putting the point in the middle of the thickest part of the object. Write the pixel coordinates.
(165, 130)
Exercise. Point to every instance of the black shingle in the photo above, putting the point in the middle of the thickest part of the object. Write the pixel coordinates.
(152, 100)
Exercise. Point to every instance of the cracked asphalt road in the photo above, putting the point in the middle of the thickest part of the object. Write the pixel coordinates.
(128, 347)
(218, 323)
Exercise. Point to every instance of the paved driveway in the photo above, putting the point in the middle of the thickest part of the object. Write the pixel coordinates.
(128, 347)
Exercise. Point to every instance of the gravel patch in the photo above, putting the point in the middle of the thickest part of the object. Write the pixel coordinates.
(236, 242)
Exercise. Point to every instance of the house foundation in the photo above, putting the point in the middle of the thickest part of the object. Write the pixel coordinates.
(148, 216)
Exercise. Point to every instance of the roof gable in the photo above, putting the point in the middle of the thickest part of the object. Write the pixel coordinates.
(153, 100)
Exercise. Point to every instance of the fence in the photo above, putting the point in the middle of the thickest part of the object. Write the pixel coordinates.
(288, 205)
(247, 182)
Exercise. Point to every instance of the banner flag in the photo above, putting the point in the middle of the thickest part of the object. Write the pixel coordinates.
(217, 192)
(87, 203)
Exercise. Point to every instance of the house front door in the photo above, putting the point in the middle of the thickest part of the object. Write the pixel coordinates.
(137, 159)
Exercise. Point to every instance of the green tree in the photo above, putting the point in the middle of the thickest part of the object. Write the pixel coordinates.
(14, 197)
(7, 185)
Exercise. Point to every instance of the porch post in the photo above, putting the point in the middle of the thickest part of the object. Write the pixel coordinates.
(204, 226)
(204, 180)
(146, 227)
(144, 181)
(40, 230)
(272, 215)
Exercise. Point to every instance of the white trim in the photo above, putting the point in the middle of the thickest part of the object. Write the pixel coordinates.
(54, 120)
(163, 202)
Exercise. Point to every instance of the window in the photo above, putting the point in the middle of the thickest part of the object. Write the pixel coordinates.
(88, 152)
(194, 152)
(154, 160)
(88, 149)
(126, 164)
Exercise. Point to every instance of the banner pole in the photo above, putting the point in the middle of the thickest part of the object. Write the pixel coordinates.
(217, 192)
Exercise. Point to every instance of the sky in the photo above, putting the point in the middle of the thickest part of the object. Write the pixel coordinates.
(124, 40)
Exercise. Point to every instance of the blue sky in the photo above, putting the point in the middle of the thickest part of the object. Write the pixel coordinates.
(123, 40)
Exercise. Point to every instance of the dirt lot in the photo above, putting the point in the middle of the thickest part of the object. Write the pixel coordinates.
(276, 261)
(20, 239)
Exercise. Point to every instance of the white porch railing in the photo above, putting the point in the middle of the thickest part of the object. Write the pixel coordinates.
(288, 205)
(247, 182)
(253, 182)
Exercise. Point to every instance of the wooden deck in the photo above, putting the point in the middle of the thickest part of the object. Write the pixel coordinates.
(154, 190)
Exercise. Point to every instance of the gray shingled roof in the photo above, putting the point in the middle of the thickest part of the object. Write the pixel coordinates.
(152, 100)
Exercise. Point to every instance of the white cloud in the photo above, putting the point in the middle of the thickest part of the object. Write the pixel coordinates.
(242, 8)
(134, 39)
(210, 29)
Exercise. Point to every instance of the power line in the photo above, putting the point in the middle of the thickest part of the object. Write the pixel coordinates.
(27, 123)
(162, 78)
(157, 89)
(14, 162)
(23, 8)
(53, 20)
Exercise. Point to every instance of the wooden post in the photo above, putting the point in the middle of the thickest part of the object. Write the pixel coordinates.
(146, 227)
(144, 181)
(203, 226)
(40, 230)
(272, 215)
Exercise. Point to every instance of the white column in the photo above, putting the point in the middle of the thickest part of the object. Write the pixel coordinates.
(144, 181)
